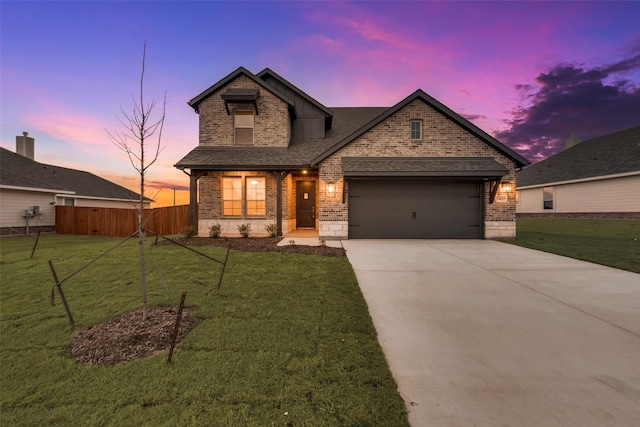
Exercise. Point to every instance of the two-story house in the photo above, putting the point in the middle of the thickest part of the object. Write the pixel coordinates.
(271, 154)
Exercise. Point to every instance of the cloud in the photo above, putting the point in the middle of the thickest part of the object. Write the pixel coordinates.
(571, 98)
(472, 117)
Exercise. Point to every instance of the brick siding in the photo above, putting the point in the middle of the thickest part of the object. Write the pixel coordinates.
(391, 138)
(271, 123)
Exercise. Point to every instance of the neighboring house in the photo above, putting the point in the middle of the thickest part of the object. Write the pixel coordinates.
(271, 154)
(598, 178)
(30, 190)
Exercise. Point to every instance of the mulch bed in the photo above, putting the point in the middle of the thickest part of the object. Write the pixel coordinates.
(260, 244)
(126, 337)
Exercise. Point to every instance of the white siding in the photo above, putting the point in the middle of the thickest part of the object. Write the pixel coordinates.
(606, 195)
(13, 203)
(530, 201)
(96, 203)
(609, 195)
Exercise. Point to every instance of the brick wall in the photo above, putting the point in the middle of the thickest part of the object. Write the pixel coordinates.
(210, 205)
(391, 138)
(272, 127)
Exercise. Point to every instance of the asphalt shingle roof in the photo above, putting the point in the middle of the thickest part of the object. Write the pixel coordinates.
(20, 171)
(298, 154)
(611, 154)
(423, 166)
(346, 124)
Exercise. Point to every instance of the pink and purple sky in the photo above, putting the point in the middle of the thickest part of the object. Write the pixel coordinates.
(529, 73)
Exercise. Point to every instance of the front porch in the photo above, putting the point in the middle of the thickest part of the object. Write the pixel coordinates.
(307, 238)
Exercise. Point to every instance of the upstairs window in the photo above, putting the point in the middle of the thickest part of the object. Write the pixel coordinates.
(243, 123)
(547, 197)
(416, 129)
(256, 196)
(232, 196)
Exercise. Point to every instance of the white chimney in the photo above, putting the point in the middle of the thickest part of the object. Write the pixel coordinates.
(571, 141)
(25, 146)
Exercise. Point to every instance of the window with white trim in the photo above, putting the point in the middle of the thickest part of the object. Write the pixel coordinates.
(547, 197)
(416, 129)
(243, 125)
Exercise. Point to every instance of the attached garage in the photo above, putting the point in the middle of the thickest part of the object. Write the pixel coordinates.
(415, 209)
(417, 198)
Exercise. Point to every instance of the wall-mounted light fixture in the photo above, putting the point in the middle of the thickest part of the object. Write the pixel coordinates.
(331, 188)
(505, 187)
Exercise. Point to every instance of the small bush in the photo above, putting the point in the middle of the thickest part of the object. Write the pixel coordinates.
(272, 229)
(189, 231)
(244, 229)
(215, 230)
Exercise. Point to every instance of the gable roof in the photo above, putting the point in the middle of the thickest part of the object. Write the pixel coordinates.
(438, 106)
(297, 155)
(240, 71)
(612, 154)
(21, 172)
(267, 72)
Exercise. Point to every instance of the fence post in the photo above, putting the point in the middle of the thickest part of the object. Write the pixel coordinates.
(64, 300)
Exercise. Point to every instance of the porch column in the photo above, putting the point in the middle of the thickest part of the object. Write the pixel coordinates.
(279, 177)
(193, 197)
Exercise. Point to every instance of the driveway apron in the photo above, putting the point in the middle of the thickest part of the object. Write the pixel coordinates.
(483, 333)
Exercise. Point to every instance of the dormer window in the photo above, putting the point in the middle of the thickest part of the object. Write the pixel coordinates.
(416, 129)
(243, 122)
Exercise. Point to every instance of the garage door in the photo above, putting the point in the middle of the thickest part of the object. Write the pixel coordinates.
(415, 210)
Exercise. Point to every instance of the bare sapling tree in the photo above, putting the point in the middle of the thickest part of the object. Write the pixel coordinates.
(141, 142)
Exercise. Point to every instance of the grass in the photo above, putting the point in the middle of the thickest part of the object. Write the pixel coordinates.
(286, 341)
(612, 243)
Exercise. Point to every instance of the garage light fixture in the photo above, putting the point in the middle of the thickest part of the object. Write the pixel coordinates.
(331, 188)
(505, 187)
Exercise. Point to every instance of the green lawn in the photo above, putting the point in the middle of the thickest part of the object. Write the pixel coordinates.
(612, 243)
(286, 341)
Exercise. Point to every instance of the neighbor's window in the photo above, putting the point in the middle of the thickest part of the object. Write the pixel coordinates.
(416, 129)
(256, 196)
(232, 196)
(243, 127)
(69, 202)
(547, 197)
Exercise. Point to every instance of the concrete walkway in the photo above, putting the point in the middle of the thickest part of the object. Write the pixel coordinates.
(483, 333)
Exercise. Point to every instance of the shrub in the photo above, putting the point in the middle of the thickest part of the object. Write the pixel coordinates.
(189, 231)
(244, 229)
(215, 230)
(272, 229)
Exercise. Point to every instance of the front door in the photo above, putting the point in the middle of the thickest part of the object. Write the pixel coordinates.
(306, 204)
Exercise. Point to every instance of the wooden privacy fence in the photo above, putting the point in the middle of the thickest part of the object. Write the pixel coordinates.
(117, 222)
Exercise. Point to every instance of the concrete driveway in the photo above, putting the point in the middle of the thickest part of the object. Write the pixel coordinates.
(483, 333)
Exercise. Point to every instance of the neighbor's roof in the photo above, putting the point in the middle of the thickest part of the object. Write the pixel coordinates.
(22, 172)
(612, 154)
